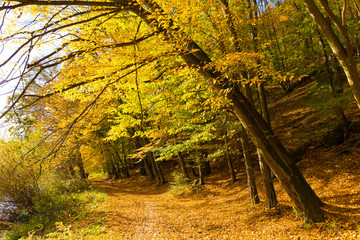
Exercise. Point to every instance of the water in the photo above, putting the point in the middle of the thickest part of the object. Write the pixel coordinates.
(7, 212)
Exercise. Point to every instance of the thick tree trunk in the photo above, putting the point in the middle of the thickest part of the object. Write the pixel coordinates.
(277, 158)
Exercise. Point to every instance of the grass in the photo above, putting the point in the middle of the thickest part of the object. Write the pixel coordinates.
(53, 211)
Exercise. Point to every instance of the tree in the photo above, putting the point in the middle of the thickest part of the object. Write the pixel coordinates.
(264, 138)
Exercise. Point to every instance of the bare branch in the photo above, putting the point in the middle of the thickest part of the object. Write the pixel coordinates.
(119, 3)
(21, 95)
(50, 31)
(73, 54)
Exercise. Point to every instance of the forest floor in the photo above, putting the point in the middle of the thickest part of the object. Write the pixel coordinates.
(139, 209)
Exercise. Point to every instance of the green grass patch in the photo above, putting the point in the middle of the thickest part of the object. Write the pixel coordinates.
(55, 207)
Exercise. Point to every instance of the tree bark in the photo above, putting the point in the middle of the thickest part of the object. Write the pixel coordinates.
(246, 152)
(192, 168)
(278, 158)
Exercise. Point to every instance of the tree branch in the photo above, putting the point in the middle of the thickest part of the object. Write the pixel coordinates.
(119, 3)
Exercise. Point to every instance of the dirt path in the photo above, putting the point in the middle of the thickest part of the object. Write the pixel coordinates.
(137, 209)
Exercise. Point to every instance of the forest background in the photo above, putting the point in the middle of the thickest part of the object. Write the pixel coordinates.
(110, 86)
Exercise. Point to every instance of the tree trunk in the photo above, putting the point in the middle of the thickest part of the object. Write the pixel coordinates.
(158, 171)
(201, 174)
(148, 167)
(277, 158)
(152, 164)
(183, 166)
(254, 197)
(271, 200)
(125, 165)
(192, 168)
(142, 167)
(207, 168)
(79, 162)
(228, 159)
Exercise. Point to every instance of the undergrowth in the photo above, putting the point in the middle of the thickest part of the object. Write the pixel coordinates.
(65, 201)
(180, 185)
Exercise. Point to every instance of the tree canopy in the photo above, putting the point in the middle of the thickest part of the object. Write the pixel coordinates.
(125, 83)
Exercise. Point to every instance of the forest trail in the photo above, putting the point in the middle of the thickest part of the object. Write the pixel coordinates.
(137, 209)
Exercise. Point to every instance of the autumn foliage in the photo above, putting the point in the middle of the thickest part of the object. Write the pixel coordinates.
(148, 88)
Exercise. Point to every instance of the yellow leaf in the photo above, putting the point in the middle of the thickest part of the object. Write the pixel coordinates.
(283, 18)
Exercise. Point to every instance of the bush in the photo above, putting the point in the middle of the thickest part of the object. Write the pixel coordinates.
(180, 185)
(71, 185)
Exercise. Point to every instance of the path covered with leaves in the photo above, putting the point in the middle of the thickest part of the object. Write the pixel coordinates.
(220, 210)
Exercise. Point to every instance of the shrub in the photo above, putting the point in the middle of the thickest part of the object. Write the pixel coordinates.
(180, 185)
